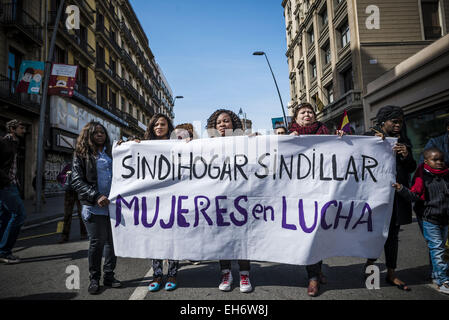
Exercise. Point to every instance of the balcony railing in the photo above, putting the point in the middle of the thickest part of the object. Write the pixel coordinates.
(74, 37)
(131, 90)
(85, 91)
(128, 36)
(349, 101)
(129, 62)
(9, 93)
(13, 15)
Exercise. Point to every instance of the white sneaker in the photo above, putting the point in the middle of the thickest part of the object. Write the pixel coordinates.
(226, 280)
(444, 288)
(245, 284)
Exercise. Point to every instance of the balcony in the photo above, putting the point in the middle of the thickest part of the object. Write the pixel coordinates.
(351, 100)
(74, 38)
(128, 36)
(105, 69)
(149, 108)
(85, 91)
(29, 102)
(131, 90)
(17, 19)
(108, 37)
(129, 62)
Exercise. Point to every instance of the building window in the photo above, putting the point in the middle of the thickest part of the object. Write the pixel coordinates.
(123, 105)
(131, 110)
(112, 98)
(431, 19)
(348, 84)
(313, 73)
(101, 94)
(14, 61)
(59, 55)
(345, 36)
(330, 93)
(323, 17)
(311, 36)
(326, 54)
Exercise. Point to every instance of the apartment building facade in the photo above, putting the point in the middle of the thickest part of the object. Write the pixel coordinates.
(119, 82)
(336, 47)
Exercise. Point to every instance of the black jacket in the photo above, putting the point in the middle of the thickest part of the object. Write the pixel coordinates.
(84, 179)
(8, 148)
(435, 208)
(402, 207)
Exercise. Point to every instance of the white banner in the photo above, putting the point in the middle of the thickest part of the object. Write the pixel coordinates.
(284, 199)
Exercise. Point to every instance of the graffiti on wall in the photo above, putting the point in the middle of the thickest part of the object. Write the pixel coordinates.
(53, 165)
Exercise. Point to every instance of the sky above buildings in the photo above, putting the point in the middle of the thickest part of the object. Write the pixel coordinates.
(204, 48)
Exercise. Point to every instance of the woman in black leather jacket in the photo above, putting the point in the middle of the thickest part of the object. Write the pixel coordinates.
(91, 179)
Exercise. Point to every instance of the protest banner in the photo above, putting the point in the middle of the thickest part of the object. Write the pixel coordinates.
(284, 199)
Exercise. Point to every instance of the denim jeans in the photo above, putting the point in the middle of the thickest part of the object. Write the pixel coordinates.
(436, 236)
(420, 221)
(172, 268)
(12, 218)
(100, 236)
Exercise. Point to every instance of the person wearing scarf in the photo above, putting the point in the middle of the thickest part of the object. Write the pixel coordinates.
(390, 123)
(305, 123)
(430, 190)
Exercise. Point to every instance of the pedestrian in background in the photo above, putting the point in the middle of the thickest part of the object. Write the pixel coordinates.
(92, 179)
(70, 199)
(220, 124)
(390, 123)
(280, 130)
(12, 210)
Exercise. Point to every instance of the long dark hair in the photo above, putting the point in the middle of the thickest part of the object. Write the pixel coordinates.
(212, 121)
(85, 144)
(149, 134)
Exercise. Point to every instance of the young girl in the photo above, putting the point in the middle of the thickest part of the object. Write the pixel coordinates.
(220, 124)
(91, 179)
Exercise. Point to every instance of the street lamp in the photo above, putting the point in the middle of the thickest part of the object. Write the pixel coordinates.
(177, 97)
(261, 53)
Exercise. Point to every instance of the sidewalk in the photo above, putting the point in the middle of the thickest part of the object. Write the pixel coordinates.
(52, 209)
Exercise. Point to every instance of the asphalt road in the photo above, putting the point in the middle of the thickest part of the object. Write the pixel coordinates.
(46, 268)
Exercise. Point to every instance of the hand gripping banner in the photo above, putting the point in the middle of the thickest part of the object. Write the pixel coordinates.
(285, 199)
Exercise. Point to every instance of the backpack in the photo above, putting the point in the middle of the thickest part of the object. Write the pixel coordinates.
(65, 178)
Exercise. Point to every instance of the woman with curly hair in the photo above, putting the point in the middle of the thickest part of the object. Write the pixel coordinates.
(220, 124)
(224, 123)
(91, 179)
(160, 127)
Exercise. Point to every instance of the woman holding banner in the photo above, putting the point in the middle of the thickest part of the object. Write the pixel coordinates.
(220, 124)
(304, 122)
(390, 123)
(160, 127)
(92, 179)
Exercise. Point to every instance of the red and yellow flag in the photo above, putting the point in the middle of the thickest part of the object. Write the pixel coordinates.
(345, 125)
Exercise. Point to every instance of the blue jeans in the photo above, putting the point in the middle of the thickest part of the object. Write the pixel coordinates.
(420, 221)
(436, 236)
(12, 218)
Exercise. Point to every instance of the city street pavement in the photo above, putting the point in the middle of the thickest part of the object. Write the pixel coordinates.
(43, 274)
